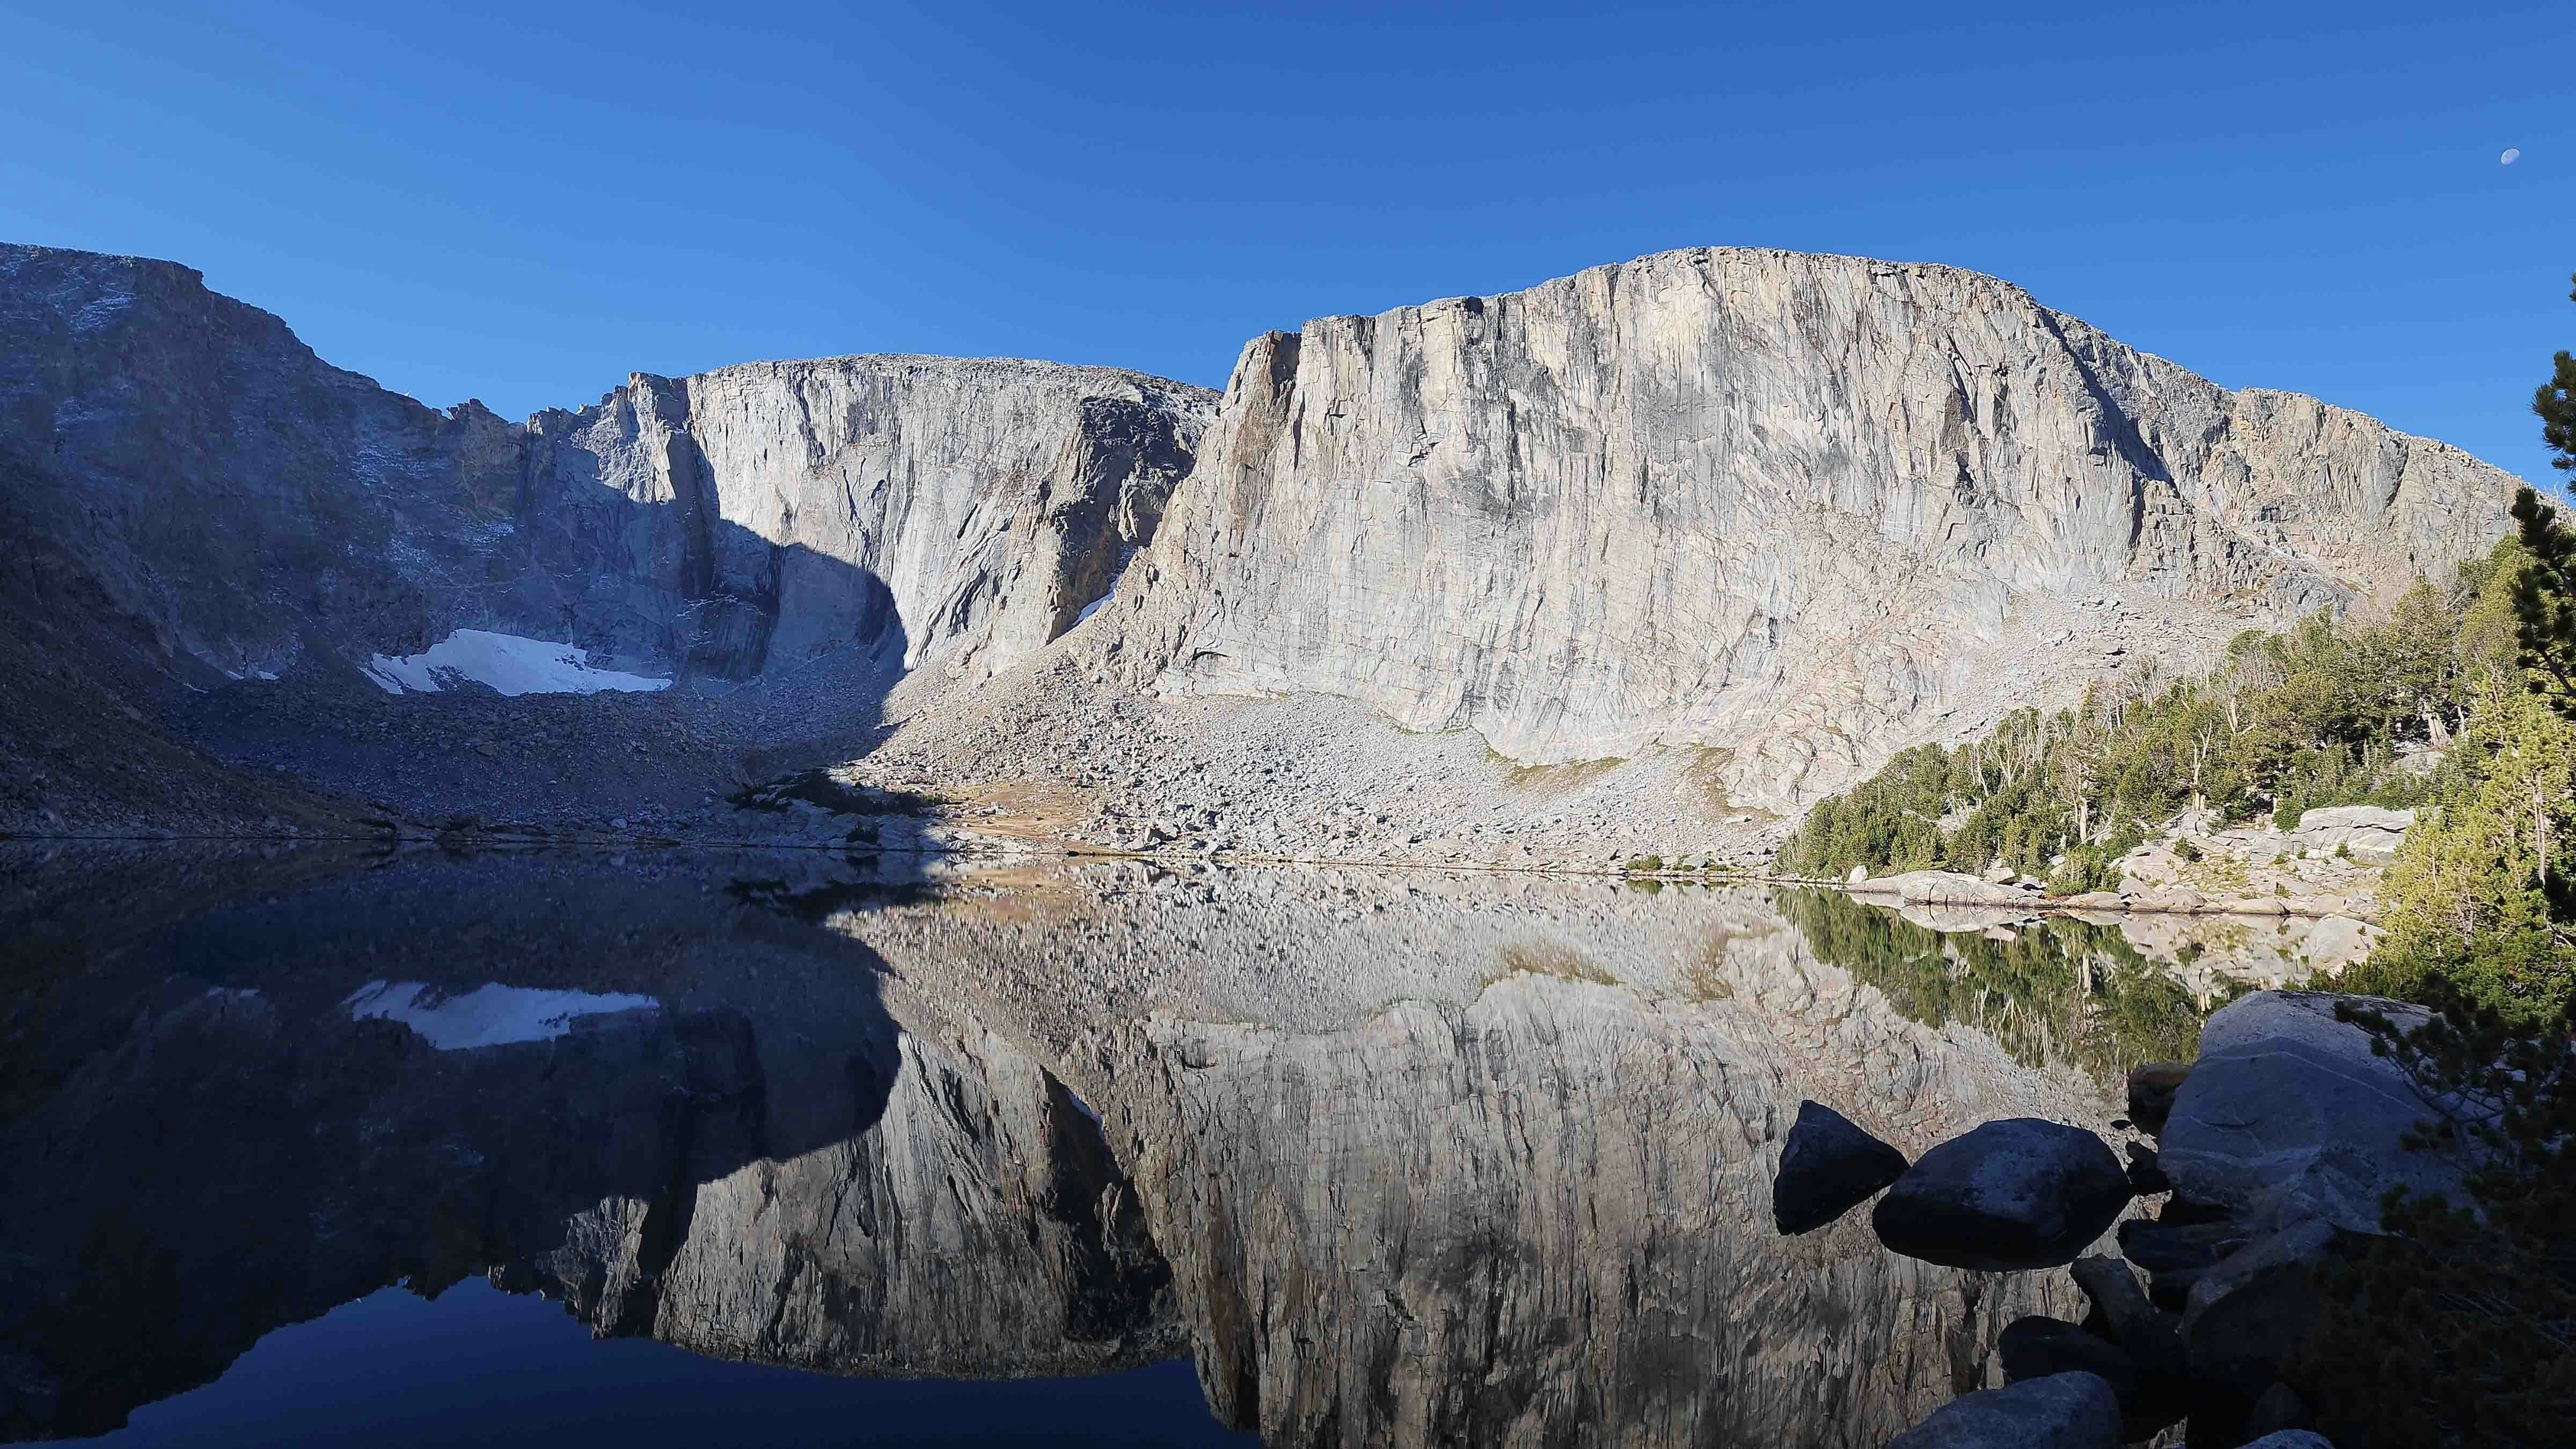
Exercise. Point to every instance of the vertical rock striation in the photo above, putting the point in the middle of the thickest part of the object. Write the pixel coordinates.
(1780, 503)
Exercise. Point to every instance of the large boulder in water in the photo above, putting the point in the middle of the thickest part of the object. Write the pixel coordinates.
(1828, 1167)
(2061, 1411)
(2288, 1118)
(2020, 1193)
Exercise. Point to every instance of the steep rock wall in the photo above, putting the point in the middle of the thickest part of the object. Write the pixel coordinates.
(960, 512)
(1778, 503)
(182, 459)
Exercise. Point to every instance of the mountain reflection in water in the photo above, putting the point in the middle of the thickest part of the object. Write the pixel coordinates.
(1386, 1157)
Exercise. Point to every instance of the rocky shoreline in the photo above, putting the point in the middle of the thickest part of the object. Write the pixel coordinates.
(2274, 1149)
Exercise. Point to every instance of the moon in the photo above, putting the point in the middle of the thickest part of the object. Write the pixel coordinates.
(2510, 156)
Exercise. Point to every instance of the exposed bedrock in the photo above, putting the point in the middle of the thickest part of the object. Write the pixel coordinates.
(1784, 504)
(179, 459)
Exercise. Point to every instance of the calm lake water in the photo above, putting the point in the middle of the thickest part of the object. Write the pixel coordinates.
(725, 1148)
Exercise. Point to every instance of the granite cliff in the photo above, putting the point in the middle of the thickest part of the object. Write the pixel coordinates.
(179, 459)
(1801, 508)
(1706, 534)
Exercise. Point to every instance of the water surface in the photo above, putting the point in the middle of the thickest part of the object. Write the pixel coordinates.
(803, 1148)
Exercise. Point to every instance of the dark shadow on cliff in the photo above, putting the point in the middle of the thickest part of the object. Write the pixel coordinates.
(781, 657)
(524, 1066)
(741, 707)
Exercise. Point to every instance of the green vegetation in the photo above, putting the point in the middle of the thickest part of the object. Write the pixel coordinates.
(2060, 990)
(2459, 1327)
(1549, 958)
(2289, 723)
(2480, 898)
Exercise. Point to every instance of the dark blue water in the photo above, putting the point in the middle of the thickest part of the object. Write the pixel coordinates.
(478, 1366)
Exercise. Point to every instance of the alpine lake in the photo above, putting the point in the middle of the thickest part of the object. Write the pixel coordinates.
(308, 1143)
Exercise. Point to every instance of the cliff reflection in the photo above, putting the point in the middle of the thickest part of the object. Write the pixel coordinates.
(238, 1124)
(1395, 1160)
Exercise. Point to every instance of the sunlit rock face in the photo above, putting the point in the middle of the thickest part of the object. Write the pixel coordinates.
(178, 461)
(1544, 1217)
(1791, 505)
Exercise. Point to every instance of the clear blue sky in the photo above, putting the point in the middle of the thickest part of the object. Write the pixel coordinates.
(467, 202)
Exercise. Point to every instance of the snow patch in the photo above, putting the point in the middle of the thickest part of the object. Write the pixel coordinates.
(493, 1015)
(1126, 556)
(506, 662)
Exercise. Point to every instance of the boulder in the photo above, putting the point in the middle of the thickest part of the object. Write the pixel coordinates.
(2178, 1255)
(2287, 1117)
(2276, 1409)
(2035, 1347)
(2152, 1336)
(2145, 1177)
(1828, 1167)
(1960, 920)
(1947, 888)
(2020, 1193)
(2150, 1339)
(2335, 942)
(2151, 1093)
(2248, 1316)
(2291, 1439)
(2061, 1411)
(2368, 832)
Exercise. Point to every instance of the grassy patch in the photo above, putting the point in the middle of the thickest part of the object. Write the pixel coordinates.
(1550, 958)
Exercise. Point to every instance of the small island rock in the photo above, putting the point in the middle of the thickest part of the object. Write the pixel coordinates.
(1828, 1167)
(2019, 1193)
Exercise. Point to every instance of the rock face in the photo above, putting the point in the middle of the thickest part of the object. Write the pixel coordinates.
(2368, 832)
(178, 459)
(1764, 515)
(960, 512)
(2020, 1193)
(1792, 506)
(2288, 1118)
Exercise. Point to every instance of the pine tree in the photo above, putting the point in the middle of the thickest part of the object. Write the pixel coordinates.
(2555, 402)
(2544, 598)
